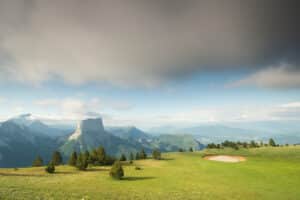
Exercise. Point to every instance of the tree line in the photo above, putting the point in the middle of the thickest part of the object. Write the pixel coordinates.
(95, 157)
(237, 145)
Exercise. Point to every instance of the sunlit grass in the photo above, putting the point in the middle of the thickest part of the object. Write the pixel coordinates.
(268, 173)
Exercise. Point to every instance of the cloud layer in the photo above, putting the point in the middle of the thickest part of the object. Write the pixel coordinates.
(139, 42)
(282, 76)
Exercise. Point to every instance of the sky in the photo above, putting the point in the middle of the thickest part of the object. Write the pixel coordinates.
(150, 63)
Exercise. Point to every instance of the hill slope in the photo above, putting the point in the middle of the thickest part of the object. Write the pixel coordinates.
(268, 173)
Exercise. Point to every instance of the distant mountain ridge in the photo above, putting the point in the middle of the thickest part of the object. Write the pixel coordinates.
(90, 134)
(19, 144)
(24, 137)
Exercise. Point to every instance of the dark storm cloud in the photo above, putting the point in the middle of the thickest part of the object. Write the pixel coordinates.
(145, 42)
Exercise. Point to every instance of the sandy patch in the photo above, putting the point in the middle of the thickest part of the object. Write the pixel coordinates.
(225, 158)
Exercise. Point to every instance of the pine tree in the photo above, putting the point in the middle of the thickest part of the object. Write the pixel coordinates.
(109, 160)
(94, 157)
(156, 154)
(57, 158)
(137, 156)
(73, 159)
(143, 154)
(87, 156)
(101, 155)
(50, 168)
(37, 162)
(272, 142)
(131, 157)
(123, 158)
(116, 170)
(81, 163)
(253, 144)
(191, 149)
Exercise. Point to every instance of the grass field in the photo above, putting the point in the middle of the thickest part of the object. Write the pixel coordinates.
(268, 173)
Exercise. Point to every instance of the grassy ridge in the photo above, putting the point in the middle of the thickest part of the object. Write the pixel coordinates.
(268, 173)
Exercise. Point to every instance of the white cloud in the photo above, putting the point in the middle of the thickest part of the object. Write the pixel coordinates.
(73, 109)
(291, 105)
(282, 76)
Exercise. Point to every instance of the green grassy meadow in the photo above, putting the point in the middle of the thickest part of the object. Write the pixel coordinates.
(268, 173)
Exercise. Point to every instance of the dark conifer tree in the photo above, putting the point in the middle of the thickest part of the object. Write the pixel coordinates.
(131, 156)
(123, 157)
(272, 142)
(101, 155)
(73, 159)
(57, 158)
(156, 154)
(81, 163)
(37, 162)
(137, 156)
(94, 157)
(143, 154)
(191, 149)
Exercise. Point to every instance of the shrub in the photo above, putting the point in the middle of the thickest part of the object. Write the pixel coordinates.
(191, 149)
(116, 171)
(50, 168)
(137, 168)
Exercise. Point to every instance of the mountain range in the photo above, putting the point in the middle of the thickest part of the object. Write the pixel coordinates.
(23, 138)
(282, 132)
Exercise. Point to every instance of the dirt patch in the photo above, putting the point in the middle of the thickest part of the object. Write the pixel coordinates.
(225, 158)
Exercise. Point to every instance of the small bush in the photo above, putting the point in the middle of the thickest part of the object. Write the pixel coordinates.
(116, 171)
(137, 168)
(50, 168)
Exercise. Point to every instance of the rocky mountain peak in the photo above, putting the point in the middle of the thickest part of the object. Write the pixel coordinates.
(88, 126)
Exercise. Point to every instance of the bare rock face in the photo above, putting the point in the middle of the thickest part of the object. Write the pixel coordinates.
(92, 125)
(88, 126)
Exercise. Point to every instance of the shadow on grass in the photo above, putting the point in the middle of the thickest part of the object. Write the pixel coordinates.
(34, 175)
(167, 159)
(137, 178)
(24, 175)
(96, 170)
(65, 172)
